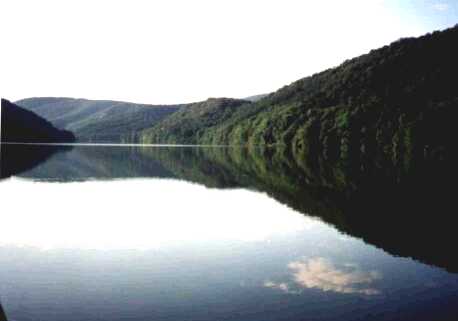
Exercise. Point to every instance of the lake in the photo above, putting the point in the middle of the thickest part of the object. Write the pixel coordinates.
(221, 233)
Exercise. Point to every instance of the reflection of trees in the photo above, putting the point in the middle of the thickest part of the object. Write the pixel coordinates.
(2, 314)
(407, 211)
(15, 159)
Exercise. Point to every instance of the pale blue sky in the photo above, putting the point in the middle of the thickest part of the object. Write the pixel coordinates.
(428, 14)
(176, 51)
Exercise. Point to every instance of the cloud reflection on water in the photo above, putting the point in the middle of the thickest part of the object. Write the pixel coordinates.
(321, 273)
(138, 214)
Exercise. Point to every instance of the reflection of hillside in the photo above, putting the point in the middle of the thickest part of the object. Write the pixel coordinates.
(397, 211)
(97, 162)
(2, 314)
(406, 212)
(15, 159)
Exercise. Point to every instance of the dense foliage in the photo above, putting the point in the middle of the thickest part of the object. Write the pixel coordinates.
(23, 126)
(98, 120)
(390, 106)
(187, 125)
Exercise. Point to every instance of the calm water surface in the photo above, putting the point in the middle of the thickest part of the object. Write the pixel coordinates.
(162, 233)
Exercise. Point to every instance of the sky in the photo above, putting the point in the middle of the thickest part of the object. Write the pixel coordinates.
(179, 51)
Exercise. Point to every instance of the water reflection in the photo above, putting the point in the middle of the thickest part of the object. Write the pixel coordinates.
(2, 314)
(322, 274)
(15, 159)
(371, 204)
(272, 239)
(147, 215)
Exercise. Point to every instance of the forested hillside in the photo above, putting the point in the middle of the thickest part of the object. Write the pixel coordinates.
(187, 125)
(99, 121)
(390, 106)
(23, 126)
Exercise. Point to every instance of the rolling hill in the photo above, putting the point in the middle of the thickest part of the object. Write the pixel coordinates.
(23, 126)
(388, 107)
(100, 121)
(187, 125)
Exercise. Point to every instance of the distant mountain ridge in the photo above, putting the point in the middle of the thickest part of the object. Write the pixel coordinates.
(98, 120)
(23, 126)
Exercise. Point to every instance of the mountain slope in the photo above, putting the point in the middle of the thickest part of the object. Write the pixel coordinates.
(408, 75)
(186, 125)
(389, 106)
(23, 126)
(98, 120)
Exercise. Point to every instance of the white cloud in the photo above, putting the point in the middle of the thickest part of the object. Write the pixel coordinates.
(441, 6)
(320, 273)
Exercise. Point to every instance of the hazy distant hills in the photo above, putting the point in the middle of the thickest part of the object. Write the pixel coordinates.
(255, 97)
(20, 125)
(98, 120)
